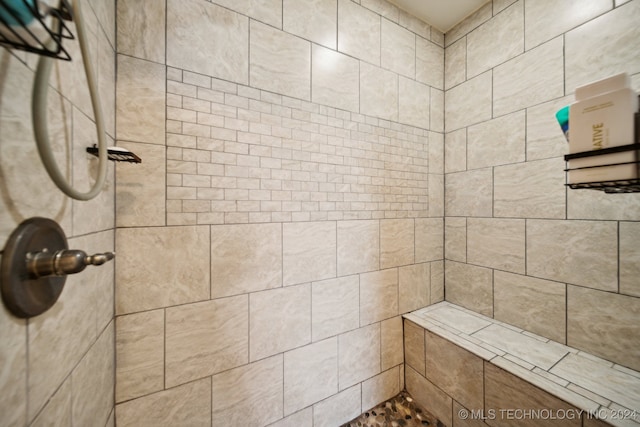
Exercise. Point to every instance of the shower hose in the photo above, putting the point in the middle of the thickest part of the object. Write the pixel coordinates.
(39, 114)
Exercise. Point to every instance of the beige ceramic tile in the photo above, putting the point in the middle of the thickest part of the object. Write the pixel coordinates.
(383, 8)
(250, 395)
(310, 374)
(380, 388)
(455, 245)
(391, 342)
(245, 258)
(335, 79)
(339, 408)
(358, 31)
(544, 136)
(398, 48)
(188, 404)
(429, 239)
(13, 371)
(577, 252)
(414, 103)
(436, 195)
(436, 144)
(468, 24)
(500, 5)
(436, 114)
(314, 20)
(414, 350)
(429, 396)
(58, 409)
(455, 63)
(267, 11)
(496, 243)
(496, 41)
(530, 190)
(279, 62)
(140, 354)
(279, 320)
(529, 79)
(469, 102)
(469, 193)
(221, 34)
(533, 304)
(141, 190)
(148, 44)
(588, 310)
(455, 151)
(414, 287)
(497, 142)
(461, 418)
(457, 319)
(397, 238)
(358, 246)
(437, 281)
(629, 258)
(309, 252)
(378, 92)
(470, 286)
(302, 418)
(419, 27)
(140, 100)
(163, 279)
(596, 205)
(429, 63)
(378, 295)
(358, 355)
(334, 306)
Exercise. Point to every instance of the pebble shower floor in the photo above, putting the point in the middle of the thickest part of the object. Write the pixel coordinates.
(399, 411)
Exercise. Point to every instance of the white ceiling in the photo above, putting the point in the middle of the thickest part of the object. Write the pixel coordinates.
(441, 14)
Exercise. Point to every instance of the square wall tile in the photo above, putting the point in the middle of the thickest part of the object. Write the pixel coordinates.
(279, 320)
(414, 103)
(414, 287)
(630, 258)
(429, 63)
(496, 243)
(310, 374)
(279, 62)
(469, 193)
(309, 252)
(378, 92)
(147, 14)
(358, 246)
(358, 31)
(335, 79)
(455, 245)
(380, 388)
(455, 64)
(250, 395)
(221, 34)
(398, 48)
(391, 341)
(429, 239)
(245, 258)
(334, 306)
(358, 355)
(339, 408)
(429, 396)
(378, 295)
(396, 242)
(205, 338)
(469, 102)
(414, 350)
(470, 286)
(162, 280)
(315, 20)
(455, 151)
(497, 142)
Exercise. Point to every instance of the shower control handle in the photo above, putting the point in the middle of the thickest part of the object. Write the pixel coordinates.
(62, 262)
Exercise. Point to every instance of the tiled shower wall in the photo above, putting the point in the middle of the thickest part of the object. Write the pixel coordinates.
(288, 209)
(58, 368)
(519, 246)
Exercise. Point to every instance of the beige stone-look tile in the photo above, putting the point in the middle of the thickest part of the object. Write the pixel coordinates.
(378, 295)
(470, 286)
(419, 27)
(279, 320)
(309, 252)
(148, 44)
(544, 136)
(496, 243)
(267, 11)
(141, 190)
(186, 405)
(397, 237)
(358, 355)
(391, 343)
(140, 354)
(469, 193)
(630, 258)
(436, 114)
(383, 8)
(505, 391)
(436, 195)
(221, 34)
(461, 418)
(205, 338)
(455, 63)
(245, 258)
(470, 102)
(566, 14)
(455, 245)
(339, 408)
(500, 5)
(414, 287)
(429, 63)
(56, 413)
(398, 49)
(457, 319)
(455, 151)
(596, 205)
(578, 252)
(429, 396)
(335, 79)
(454, 370)
(532, 304)
(436, 147)
(429, 239)
(250, 395)
(314, 20)
(588, 310)
(437, 281)
(358, 246)
(380, 388)
(13, 370)
(359, 31)
(302, 418)
(497, 142)
(310, 374)
(414, 103)
(379, 92)
(530, 190)
(468, 24)
(496, 41)
(162, 280)
(414, 349)
(279, 62)
(140, 112)
(532, 78)
(334, 306)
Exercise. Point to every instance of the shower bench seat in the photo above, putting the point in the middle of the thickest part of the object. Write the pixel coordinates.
(472, 370)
